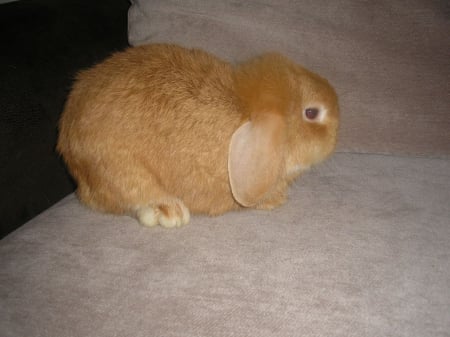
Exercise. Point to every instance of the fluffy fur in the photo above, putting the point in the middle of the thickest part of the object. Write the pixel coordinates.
(157, 131)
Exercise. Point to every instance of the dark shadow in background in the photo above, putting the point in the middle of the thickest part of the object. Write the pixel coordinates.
(43, 45)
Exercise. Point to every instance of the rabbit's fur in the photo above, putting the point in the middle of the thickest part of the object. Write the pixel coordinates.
(157, 131)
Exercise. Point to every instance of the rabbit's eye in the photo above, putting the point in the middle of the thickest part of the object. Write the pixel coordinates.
(311, 113)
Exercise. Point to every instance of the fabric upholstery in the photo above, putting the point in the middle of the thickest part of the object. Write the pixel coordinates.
(388, 60)
(360, 249)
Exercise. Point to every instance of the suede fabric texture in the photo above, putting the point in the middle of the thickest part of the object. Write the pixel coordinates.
(360, 249)
(388, 60)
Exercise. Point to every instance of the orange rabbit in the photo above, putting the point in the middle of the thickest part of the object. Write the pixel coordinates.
(160, 131)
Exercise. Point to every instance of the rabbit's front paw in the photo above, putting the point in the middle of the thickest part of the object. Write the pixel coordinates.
(170, 213)
(275, 200)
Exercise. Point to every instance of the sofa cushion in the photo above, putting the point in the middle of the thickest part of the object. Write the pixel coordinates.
(360, 249)
(389, 61)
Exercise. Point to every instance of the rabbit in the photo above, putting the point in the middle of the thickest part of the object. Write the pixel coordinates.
(159, 131)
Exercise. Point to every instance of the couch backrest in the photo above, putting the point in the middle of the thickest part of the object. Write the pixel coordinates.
(388, 60)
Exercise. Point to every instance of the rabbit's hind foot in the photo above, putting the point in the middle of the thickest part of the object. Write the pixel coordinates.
(169, 214)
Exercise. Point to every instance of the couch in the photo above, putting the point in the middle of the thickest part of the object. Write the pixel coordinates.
(362, 246)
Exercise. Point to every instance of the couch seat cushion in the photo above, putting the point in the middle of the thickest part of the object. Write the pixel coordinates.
(360, 249)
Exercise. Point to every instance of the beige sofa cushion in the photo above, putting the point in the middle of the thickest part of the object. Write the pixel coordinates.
(361, 249)
(389, 60)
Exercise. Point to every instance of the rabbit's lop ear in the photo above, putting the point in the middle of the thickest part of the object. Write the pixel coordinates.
(255, 158)
(257, 148)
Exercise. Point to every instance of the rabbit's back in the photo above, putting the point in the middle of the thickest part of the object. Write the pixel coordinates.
(156, 113)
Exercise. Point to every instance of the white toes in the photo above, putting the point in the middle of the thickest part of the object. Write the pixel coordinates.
(147, 216)
(174, 214)
(169, 215)
(186, 215)
(169, 222)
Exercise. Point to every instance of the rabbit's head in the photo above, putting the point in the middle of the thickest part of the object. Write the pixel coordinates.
(292, 117)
